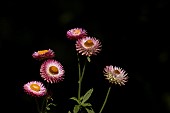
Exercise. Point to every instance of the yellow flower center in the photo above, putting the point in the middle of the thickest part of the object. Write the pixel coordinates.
(42, 52)
(53, 70)
(89, 43)
(35, 87)
(117, 71)
(77, 31)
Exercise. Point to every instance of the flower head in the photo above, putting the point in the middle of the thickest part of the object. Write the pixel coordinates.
(76, 33)
(115, 75)
(88, 46)
(35, 88)
(52, 71)
(43, 54)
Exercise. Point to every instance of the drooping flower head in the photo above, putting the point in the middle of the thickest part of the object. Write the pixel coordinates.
(52, 71)
(76, 33)
(115, 75)
(35, 88)
(88, 46)
(43, 54)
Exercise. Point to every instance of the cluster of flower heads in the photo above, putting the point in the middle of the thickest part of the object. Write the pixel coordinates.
(85, 45)
(89, 46)
(51, 71)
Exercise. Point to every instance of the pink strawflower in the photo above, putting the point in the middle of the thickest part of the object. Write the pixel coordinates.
(35, 88)
(52, 71)
(76, 33)
(88, 46)
(115, 75)
(43, 54)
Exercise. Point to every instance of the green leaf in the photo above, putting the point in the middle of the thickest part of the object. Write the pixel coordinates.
(89, 110)
(88, 59)
(69, 111)
(81, 98)
(87, 95)
(76, 109)
(75, 99)
(48, 108)
(86, 104)
(51, 104)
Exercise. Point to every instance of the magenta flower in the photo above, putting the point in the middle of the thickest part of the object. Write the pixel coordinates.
(35, 88)
(52, 71)
(88, 46)
(115, 75)
(43, 54)
(76, 33)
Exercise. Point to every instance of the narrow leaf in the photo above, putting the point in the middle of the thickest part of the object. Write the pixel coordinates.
(76, 109)
(48, 108)
(51, 104)
(81, 98)
(87, 95)
(88, 59)
(75, 99)
(89, 110)
(86, 104)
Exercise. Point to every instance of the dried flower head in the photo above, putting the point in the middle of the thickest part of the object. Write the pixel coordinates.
(52, 71)
(88, 46)
(43, 54)
(115, 75)
(35, 88)
(76, 33)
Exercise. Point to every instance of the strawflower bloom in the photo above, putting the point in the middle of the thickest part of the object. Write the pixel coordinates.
(115, 75)
(76, 33)
(43, 54)
(52, 71)
(35, 88)
(88, 46)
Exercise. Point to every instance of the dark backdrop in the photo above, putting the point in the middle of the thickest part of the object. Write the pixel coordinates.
(134, 36)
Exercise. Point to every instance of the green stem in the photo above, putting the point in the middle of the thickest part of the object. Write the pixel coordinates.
(44, 100)
(83, 72)
(38, 108)
(80, 77)
(46, 103)
(79, 88)
(80, 81)
(105, 99)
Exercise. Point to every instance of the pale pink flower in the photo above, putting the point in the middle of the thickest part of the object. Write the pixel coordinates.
(52, 71)
(115, 75)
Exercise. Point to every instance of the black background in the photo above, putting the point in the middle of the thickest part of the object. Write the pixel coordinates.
(134, 36)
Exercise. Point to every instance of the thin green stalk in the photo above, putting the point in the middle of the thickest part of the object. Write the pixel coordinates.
(46, 103)
(80, 77)
(38, 108)
(83, 72)
(79, 88)
(80, 80)
(105, 99)
(79, 91)
(44, 100)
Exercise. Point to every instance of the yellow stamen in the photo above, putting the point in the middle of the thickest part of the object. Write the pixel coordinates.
(117, 72)
(42, 52)
(53, 70)
(35, 87)
(77, 31)
(89, 43)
